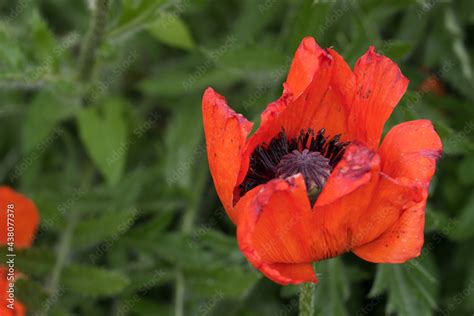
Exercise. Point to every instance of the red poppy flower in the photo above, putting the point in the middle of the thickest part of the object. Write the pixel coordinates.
(24, 214)
(312, 182)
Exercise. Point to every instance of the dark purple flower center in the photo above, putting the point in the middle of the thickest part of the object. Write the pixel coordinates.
(312, 165)
(314, 155)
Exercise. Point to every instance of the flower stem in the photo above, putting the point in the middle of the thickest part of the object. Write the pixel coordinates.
(307, 291)
(93, 40)
(187, 223)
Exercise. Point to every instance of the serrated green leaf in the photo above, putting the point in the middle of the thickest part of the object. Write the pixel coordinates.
(12, 57)
(333, 288)
(410, 287)
(43, 39)
(103, 132)
(135, 16)
(42, 118)
(222, 282)
(183, 150)
(108, 227)
(153, 227)
(92, 281)
(208, 272)
(37, 261)
(171, 30)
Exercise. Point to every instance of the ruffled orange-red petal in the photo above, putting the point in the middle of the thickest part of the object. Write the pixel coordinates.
(324, 103)
(273, 231)
(409, 153)
(304, 65)
(358, 203)
(410, 150)
(354, 170)
(226, 133)
(379, 86)
(25, 218)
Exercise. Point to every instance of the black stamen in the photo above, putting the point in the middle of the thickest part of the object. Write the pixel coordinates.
(314, 156)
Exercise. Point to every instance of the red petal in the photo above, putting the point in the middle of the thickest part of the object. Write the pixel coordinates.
(291, 273)
(354, 170)
(321, 105)
(401, 242)
(409, 153)
(357, 204)
(273, 231)
(343, 80)
(226, 133)
(26, 218)
(410, 150)
(304, 65)
(379, 85)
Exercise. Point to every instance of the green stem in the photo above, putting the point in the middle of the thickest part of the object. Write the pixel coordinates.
(307, 292)
(64, 246)
(179, 294)
(186, 227)
(63, 252)
(62, 257)
(93, 40)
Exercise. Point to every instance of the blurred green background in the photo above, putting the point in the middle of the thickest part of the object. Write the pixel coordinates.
(110, 147)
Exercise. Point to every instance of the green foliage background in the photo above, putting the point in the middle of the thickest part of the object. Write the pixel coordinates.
(116, 162)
